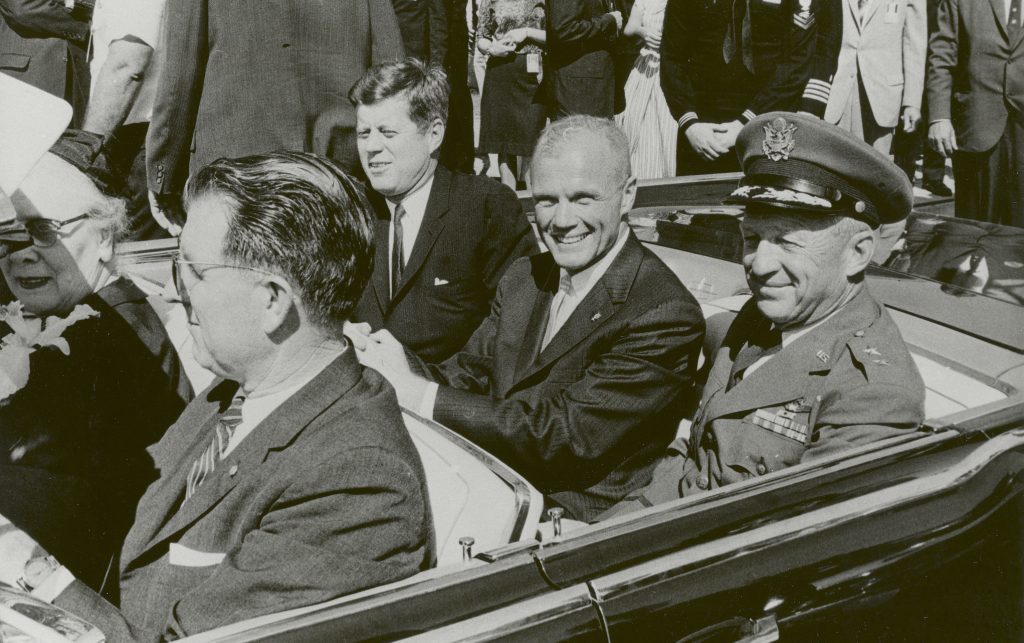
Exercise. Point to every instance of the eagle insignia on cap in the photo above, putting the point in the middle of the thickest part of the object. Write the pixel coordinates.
(778, 139)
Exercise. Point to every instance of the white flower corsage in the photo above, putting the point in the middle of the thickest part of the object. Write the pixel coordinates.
(30, 334)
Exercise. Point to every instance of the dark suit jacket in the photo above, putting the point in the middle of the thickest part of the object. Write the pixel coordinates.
(847, 382)
(975, 72)
(325, 497)
(73, 441)
(243, 78)
(584, 419)
(424, 27)
(44, 44)
(579, 65)
(473, 228)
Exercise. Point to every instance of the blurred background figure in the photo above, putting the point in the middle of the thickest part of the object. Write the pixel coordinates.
(512, 112)
(976, 106)
(908, 147)
(880, 73)
(647, 121)
(73, 460)
(44, 44)
(126, 35)
(242, 78)
(579, 68)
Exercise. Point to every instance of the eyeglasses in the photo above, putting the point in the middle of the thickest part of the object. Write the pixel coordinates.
(42, 233)
(179, 283)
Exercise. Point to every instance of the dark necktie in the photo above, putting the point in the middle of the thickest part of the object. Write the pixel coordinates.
(768, 343)
(730, 45)
(1013, 22)
(397, 262)
(207, 462)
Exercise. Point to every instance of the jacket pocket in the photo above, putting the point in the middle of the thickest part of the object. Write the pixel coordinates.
(14, 62)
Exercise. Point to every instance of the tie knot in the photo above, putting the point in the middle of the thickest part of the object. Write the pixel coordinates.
(232, 417)
(399, 212)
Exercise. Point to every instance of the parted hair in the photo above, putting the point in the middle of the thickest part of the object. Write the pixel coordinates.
(301, 216)
(424, 85)
(558, 135)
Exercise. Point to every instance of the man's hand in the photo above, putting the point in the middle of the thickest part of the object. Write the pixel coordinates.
(911, 117)
(358, 334)
(16, 548)
(167, 212)
(942, 138)
(706, 140)
(385, 354)
(618, 20)
(728, 135)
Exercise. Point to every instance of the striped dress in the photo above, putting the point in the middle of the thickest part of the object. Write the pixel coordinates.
(647, 121)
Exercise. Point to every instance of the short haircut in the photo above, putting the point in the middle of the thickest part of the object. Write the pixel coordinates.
(424, 86)
(300, 216)
(559, 134)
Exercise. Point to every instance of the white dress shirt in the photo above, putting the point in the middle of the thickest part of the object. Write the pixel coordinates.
(581, 282)
(415, 205)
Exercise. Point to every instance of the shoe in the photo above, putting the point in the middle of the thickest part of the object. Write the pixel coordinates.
(937, 188)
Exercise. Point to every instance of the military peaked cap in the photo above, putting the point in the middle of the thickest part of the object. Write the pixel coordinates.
(798, 162)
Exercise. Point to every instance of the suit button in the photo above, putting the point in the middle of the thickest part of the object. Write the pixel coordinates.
(702, 482)
(761, 469)
(233, 470)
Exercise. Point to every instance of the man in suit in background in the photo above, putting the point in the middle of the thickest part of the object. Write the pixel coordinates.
(811, 365)
(448, 237)
(976, 105)
(243, 78)
(424, 27)
(292, 480)
(578, 56)
(880, 76)
(579, 376)
(44, 44)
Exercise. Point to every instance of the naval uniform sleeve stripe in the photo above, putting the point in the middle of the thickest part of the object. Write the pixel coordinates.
(820, 84)
(747, 116)
(816, 95)
(686, 118)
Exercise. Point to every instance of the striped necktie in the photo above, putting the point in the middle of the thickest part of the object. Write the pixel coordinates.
(207, 462)
(560, 309)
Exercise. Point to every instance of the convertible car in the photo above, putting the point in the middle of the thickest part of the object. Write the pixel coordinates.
(915, 538)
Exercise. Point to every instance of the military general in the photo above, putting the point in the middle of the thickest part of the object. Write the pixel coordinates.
(812, 364)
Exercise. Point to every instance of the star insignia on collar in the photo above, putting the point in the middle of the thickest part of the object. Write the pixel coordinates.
(823, 356)
(871, 350)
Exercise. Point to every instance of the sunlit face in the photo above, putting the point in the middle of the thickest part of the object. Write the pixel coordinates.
(225, 302)
(579, 202)
(51, 281)
(395, 152)
(797, 270)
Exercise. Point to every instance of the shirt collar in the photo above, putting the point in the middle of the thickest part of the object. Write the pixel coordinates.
(584, 280)
(258, 405)
(415, 203)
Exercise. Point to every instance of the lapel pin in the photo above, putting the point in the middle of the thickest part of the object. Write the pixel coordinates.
(233, 470)
(596, 316)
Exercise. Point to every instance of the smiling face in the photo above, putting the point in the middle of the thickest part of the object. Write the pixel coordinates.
(396, 153)
(51, 281)
(580, 202)
(801, 268)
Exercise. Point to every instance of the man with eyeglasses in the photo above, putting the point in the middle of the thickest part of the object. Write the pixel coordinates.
(291, 480)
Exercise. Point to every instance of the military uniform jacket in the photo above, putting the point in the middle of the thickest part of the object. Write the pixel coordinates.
(847, 382)
(792, 41)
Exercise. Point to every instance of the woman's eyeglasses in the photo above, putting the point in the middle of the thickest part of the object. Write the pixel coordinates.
(42, 233)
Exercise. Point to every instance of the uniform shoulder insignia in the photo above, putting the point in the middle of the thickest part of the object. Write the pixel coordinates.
(804, 18)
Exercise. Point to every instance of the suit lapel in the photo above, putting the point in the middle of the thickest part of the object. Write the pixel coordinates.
(534, 312)
(875, 4)
(596, 308)
(381, 266)
(433, 223)
(851, 6)
(275, 432)
(173, 460)
(997, 7)
(784, 376)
